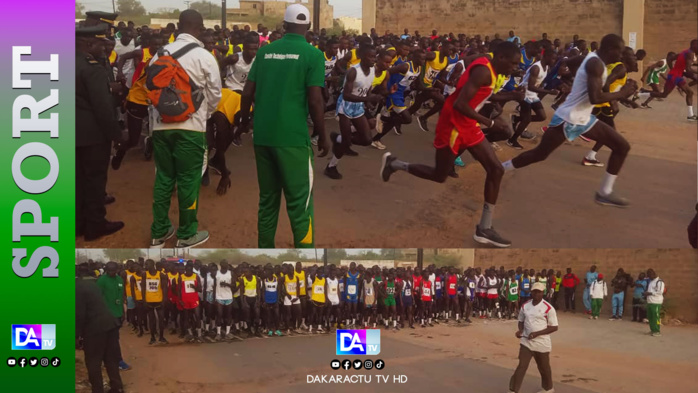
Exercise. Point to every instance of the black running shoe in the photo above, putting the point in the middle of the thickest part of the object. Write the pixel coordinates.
(332, 172)
(386, 168)
(515, 144)
(490, 236)
(351, 153)
(237, 141)
(398, 129)
(528, 135)
(453, 173)
(118, 159)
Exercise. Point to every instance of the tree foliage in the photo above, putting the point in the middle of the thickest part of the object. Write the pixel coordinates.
(79, 10)
(130, 8)
(120, 254)
(207, 9)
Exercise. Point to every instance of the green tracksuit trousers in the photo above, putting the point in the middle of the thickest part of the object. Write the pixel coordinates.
(288, 170)
(180, 158)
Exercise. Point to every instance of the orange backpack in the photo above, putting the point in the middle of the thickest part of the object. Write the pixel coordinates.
(170, 90)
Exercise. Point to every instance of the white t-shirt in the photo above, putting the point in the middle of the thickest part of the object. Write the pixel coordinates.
(656, 290)
(224, 293)
(537, 318)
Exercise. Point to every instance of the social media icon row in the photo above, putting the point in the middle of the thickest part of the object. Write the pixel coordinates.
(357, 364)
(33, 362)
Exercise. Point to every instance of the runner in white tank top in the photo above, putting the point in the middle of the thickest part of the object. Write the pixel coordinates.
(350, 109)
(532, 81)
(237, 66)
(574, 118)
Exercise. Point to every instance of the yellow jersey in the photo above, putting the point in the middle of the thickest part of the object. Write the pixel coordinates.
(172, 38)
(378, 79)
(153, 288)
(138, 94)
(433, 68)
(354, 58)
(250, 286)
(137, 288)
(616, 85)
(291, 285)
(318, 294)
(229, 105)
(300, 277)
(112, 58)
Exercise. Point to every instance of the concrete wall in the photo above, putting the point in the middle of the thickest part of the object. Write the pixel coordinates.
(677, 268)
(351, 23)
(591, 19)
(278, 8)
(670, 25)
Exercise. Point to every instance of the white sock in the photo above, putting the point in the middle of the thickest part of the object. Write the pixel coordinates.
(227, 330)
(607, 184)
(508, 166)
(207, 326)
(334, 161)
(690, 111)
(339, 139)
(198, 332)
(643, 96)
(353, 321)
(394, 323)
(457, 317)
(591, 156)
(218, 330)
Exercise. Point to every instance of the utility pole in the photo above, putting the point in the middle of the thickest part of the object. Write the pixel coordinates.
(224, 7)
(316, 16)
(113, 6)
(420, 257)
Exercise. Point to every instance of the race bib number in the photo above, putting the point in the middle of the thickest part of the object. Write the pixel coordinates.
(526, 285)
(432, 74)
(363, 92)
(190, 287)
(333, 290)
(291, 287)
(438, 285)
(351, 289)
(390, 290)
(408, 292)
(152, 285)
(318, 289)
(514, 290)
(301, 283)
(369, 291)
(451, 286)
(426, 291)
(471, 285)
(341, 287)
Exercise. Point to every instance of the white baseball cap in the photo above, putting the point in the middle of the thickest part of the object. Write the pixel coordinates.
(298, 14)
(539, 286)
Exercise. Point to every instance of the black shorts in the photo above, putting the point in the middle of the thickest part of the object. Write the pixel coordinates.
(605, 114)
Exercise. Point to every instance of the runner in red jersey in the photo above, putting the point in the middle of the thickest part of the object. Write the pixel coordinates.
(188, 288)
(427, 292)
(676, 77)
(452, 294)
(417, 285)
(459, 130)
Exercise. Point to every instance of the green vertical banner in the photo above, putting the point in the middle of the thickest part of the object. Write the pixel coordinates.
(37, 157)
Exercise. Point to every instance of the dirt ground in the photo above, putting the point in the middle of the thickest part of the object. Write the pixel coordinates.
(588, 356)
(548, 204)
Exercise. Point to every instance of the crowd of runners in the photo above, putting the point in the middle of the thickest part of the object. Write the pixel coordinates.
(218, 302)
(373, 85)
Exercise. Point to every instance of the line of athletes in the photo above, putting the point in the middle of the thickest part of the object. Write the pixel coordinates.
(205, 302)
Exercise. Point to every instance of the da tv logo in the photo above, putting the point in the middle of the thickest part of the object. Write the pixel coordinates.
(358, 342)
(33, 337)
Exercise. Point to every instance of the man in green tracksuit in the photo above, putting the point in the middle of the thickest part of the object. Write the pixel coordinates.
(286, 82)
(179, 149)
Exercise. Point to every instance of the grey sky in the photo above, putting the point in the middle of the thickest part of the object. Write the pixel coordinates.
(341, 7)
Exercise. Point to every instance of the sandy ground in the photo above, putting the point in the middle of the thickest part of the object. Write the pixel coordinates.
(588, 356)
(549, 204)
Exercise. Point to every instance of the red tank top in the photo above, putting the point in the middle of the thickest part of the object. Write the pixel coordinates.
(188, 288)
(452, 284)
(450, 118)
(426, 291)
(680, 64)
(416, 282)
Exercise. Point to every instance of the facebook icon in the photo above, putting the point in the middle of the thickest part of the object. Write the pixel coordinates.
(33, 337)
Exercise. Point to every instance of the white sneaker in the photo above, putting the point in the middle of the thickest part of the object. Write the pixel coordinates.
(496, 147)
(378, 145)
(546, 391)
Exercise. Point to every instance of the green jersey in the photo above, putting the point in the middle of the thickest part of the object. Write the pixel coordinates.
(513, 291)
(282, 72)
(113, 293)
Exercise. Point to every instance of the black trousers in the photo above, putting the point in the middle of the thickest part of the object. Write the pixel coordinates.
(103, 348)
(569, 298)
(91, 165)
